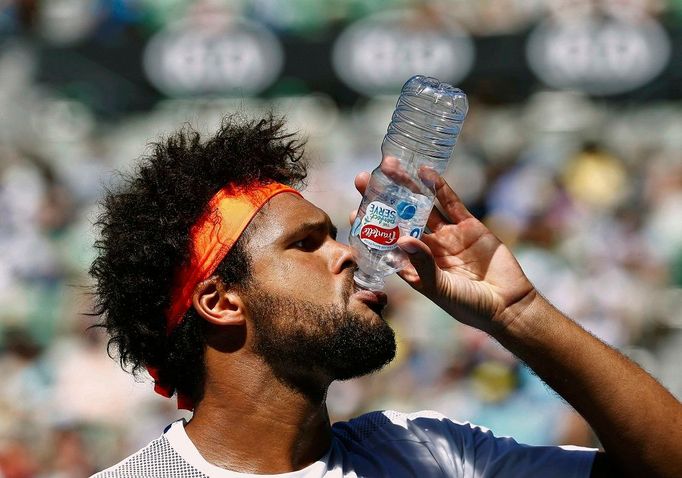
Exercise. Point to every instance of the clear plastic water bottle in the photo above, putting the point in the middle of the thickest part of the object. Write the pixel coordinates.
(422, 134)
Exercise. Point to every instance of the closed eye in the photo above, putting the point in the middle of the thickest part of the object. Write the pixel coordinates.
(308, 243)
(310, 236)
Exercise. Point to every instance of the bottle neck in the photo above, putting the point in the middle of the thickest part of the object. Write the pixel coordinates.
(367, 281)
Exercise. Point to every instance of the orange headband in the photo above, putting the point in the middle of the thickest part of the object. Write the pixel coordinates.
(211, 238)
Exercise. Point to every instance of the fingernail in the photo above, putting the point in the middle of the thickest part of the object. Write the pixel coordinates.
(407, 247)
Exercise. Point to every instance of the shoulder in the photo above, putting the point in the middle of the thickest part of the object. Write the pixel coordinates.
(389, 426)
(159, 458)
(457, 448)
(401, 424)
(424, 443)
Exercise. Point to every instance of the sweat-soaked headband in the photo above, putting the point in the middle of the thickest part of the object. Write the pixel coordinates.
(228, 213)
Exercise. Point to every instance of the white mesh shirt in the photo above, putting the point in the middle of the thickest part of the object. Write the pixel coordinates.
(157, 459)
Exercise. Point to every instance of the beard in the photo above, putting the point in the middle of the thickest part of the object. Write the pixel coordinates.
(307, 343)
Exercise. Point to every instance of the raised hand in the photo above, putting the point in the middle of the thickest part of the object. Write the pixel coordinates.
(462, 266)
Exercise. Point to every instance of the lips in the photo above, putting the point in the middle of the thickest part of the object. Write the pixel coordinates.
(375, 300)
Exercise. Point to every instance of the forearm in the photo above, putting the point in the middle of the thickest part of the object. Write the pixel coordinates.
(637, 420)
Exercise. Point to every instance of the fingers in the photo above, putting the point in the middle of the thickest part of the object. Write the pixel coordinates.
(450, 202)
(361, 181)
(351, 217)
(425, 274)
(454, 210)
(396, 171)
(437, 219)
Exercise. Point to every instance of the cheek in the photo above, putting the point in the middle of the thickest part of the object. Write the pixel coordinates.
(311, 283)
(304, 279)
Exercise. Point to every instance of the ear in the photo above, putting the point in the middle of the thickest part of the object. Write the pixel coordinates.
(218, 305)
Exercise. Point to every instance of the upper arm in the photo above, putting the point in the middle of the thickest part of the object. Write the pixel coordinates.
(487, 455)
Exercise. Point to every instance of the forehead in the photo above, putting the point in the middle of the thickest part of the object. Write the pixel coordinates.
(280, 216)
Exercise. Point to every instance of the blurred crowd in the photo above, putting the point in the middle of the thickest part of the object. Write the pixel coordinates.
(586, 192)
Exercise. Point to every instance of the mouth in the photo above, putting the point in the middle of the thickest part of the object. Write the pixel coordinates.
(375, 300)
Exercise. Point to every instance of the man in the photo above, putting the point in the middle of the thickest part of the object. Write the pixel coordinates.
(228, 286)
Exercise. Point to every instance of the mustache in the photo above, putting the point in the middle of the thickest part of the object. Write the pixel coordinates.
(349, 285)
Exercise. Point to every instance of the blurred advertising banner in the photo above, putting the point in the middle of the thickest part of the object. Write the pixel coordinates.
(598, 55)
(222, 56)
(376, 54)
(222, 53)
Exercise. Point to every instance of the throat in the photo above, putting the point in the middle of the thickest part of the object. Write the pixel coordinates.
(275, 433)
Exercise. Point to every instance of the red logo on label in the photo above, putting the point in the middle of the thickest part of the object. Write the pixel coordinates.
(385, 237)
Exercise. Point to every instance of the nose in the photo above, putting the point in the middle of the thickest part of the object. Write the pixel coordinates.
(342, 257)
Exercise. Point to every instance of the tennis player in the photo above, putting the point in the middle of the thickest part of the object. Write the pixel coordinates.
(217, 276)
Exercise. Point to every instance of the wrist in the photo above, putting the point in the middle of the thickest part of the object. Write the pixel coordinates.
(519, 319)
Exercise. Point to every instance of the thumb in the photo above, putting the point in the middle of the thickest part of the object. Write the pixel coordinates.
(426, 273)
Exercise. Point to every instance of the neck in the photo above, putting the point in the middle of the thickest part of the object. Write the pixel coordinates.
(255, 423)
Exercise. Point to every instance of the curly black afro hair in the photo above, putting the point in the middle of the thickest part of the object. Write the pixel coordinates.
(144, 238)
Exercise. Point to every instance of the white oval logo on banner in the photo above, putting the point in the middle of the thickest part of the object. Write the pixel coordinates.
(598, 57)
(241, 58)
(379, 53)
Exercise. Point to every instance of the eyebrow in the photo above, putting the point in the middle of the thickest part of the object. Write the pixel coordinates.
(313, 226)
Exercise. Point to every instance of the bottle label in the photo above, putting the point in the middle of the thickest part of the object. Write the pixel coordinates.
(379, 228)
